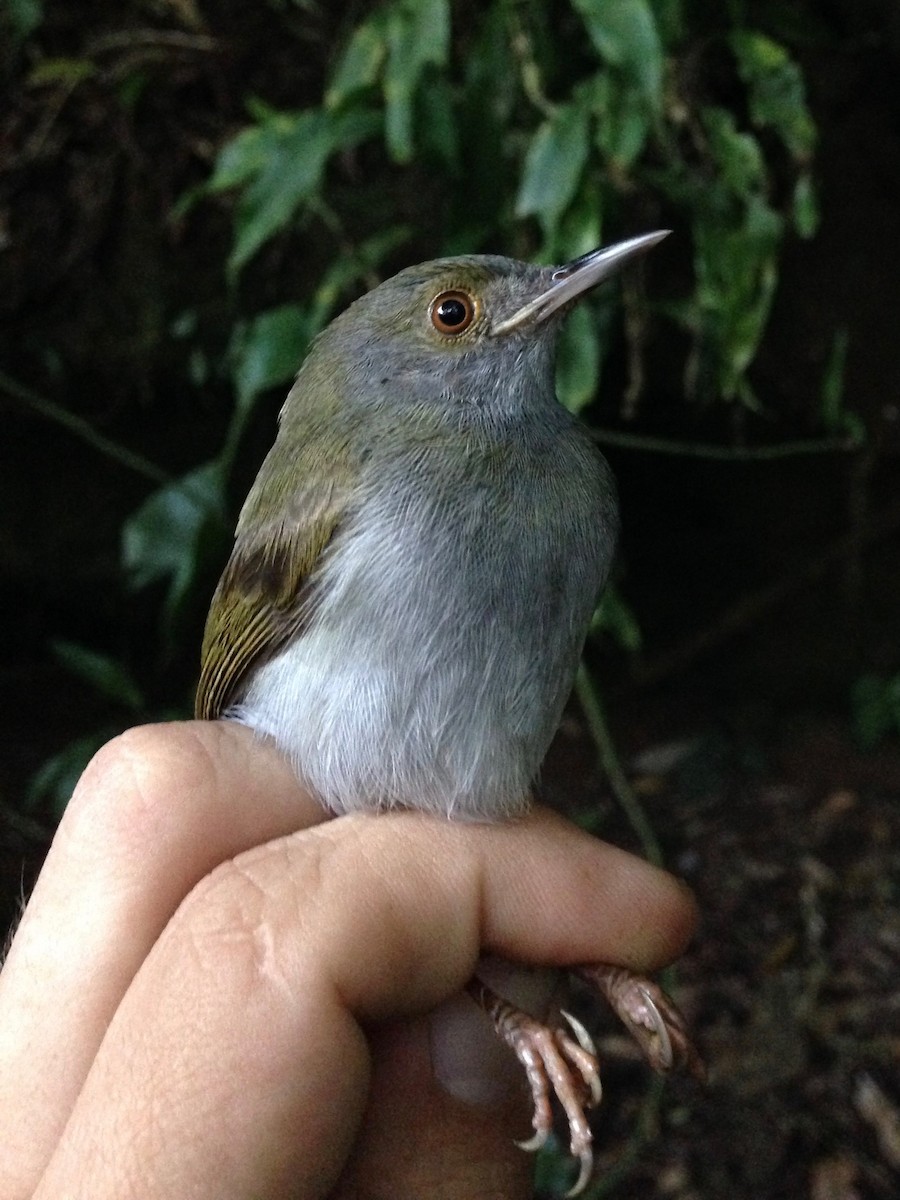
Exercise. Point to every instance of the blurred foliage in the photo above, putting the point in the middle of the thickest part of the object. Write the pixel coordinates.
(420, 129)
(876, 709)
(615, 617)
(516, 121)
(23, 17)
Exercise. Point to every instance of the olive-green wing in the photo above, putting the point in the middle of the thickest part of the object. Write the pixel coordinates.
(265, 595)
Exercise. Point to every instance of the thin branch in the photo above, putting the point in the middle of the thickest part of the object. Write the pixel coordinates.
(752, 607)
(168, 39)
(648, 1118)
(81, 429)
(348, 247)
(635, 315)
(529, 71)
(592, 706)
(657, 445)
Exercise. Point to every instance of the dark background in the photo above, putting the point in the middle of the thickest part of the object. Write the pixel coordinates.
(765, 588)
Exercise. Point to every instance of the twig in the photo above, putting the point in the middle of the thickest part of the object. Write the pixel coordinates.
(529, 71)
(81, 429)
(592, 707)
(169, 39)
(750, 608)
(635, 316)
(347, 246)
(658, 445)
(648, 1118)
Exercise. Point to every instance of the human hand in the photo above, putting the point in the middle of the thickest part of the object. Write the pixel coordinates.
(216, 992)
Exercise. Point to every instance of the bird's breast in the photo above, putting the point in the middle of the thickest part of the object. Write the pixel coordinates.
(451, 608)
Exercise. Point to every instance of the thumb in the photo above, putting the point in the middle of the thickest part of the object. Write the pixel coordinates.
(418, 1140)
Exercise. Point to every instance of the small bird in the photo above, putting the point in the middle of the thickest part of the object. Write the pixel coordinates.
(413, 576)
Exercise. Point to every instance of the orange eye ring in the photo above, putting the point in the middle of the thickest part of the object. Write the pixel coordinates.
(453, 312)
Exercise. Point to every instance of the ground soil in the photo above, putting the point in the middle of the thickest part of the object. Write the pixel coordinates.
(792, 844)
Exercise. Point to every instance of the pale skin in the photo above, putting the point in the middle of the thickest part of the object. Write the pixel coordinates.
(215, 992)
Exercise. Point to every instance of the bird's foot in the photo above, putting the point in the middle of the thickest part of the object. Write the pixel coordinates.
(563, 1062)
(556, 1062)
(649, 1015)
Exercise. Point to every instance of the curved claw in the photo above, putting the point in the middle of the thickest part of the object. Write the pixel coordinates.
(557, 1063)
(666, 1054)
(537, 1141)
(584, 1039)
(586, 1042)
(586, 1158)
(649, 1015)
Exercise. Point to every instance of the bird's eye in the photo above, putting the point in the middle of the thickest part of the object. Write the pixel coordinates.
(452, 312)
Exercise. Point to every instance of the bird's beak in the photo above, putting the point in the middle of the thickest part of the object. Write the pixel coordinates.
(575, 278)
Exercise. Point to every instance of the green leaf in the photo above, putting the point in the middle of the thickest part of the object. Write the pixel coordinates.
(777, 94)
(553, 168)
(268, 350)
(166, 538)
(278, 165)
(615, 617)
(241, 159)
(297, 148)
(736, 271)
(25, 16)
(876, 708)
(835, 418)
(436, 119)
(581, 227)
(552, 1169)
(105, 674)
(737, 155)
(418, 36)
(671, 22)
(832, 395)
(131, 88)
(365, 259)
(488, 95)
(578, 359)
(623, 120)
(57, 777)
(625, 34)
(360, 65)
(265, 352)
(805, 206)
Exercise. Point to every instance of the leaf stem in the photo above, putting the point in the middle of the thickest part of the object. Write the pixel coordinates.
(592, 705)
(647, 1125)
